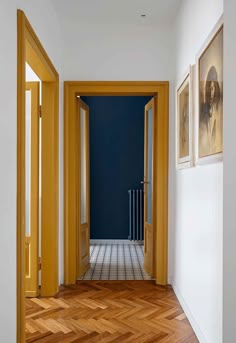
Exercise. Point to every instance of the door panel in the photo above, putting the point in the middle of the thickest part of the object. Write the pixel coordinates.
(83, 189)
(149, 166)
(148, 185)
(32, 188)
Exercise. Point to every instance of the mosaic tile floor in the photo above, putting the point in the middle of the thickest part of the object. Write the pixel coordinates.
(116, 261)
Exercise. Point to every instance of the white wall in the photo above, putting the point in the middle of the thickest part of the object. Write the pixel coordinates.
(229, 248)
(197, 219)
(8, 95)
(30, 74)
(112, 52)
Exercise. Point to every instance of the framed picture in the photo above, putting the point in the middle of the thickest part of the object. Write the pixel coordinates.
(184, 111)
(210, 98)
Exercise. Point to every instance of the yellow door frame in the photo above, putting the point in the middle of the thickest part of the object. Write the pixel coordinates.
(149, 244)
(32, 241)
(83, 229)
(160, 90)
(30, 50)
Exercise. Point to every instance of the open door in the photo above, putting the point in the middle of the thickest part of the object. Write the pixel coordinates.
(148, 186)
(32, 188)
(83, 188)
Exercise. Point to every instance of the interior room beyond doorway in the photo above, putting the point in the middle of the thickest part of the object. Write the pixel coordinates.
(116, 161)
(116, 140)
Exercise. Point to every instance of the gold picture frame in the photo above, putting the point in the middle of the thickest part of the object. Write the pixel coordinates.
(209, 121)
(184, 121)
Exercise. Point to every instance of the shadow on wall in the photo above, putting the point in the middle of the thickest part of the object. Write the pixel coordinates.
(116, 161)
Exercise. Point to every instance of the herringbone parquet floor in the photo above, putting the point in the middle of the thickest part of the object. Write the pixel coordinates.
(108, 311)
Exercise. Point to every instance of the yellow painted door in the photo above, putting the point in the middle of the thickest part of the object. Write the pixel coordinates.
(148, 185)
(83, 188)
(32, 188)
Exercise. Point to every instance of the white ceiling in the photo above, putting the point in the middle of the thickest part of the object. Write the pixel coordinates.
(117, 11)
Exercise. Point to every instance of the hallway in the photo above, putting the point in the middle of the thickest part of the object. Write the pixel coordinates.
(108, 311)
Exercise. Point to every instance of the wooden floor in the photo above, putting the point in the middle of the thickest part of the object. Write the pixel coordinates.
(108, 311)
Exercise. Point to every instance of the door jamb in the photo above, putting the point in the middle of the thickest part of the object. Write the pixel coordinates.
(30, 50)
(158, 89)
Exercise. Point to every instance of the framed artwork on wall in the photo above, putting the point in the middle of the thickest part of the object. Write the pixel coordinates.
(184, 115)
(209, 125)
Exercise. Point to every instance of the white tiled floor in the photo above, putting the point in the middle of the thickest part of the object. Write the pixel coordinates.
(116, 261)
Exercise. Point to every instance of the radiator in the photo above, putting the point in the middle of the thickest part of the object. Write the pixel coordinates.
(135, 214)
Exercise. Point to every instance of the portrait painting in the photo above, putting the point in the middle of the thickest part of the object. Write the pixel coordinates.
(210, 130)
(183, 121)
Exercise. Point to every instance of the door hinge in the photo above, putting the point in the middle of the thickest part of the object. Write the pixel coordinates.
(40, 111)
(39, 263)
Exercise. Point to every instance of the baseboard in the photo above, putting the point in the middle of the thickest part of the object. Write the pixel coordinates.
(189, 315)
(114, 241)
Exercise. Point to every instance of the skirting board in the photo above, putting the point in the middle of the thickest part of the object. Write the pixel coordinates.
(189, 315)
(114, 241)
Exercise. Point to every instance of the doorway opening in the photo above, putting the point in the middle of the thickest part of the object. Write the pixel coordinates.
(37, 171)
(116, 159)
(79, 244)
(33, 182)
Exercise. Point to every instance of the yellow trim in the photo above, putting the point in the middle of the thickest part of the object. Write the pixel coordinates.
(50, 139)
(20, 177)
(30, 50)
(160, 197)
(149, 240)
(32, 241)
(36, 56)
(83, 230)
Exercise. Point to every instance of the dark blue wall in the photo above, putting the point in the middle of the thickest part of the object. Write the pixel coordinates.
(116, 161)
